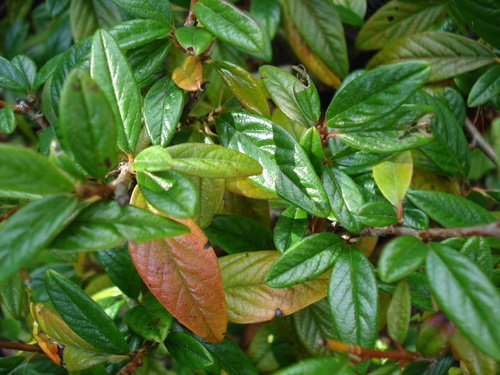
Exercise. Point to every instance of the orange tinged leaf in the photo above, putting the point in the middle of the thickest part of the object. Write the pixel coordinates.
(189, 76)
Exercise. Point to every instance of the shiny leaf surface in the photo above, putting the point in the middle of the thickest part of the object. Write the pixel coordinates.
(189, 76)
(290, 228)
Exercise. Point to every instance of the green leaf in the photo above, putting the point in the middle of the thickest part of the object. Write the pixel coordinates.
(158, 10)
(229, 24)
(455, 101)
(287, 169)
(28, 69)
(236, 234)
(376, 93)
(12, 292)
(485, 88)
(305, 260)
(393, 177)
(307, 95)
(87, 124)
(348, 16)
(86, 16)
(163, 107)
(399, 312)
(282, 87)
(401, 257)
(152, 159)
(31, 229)
(137, 33)
(10, 76)
(483, 17)
(319, 24)
(345, 198)
(312, 144)
(479, 252)
(194, 39)
(169, 192)
(106, 224)
(210, 192)
(150, 319)
(397, 19)
(317, 366)
(83, 315)
(268, 14)
(290, 228)
(111, 71)
(144, 60)
(448, 54)
(419, 290)
(377, 214)
(10, 364)
(212, 161)
(353, 299)
(46, 71)
(449, 210)
(466, 296)
(7, 119)
(244, 87)
(188, 351)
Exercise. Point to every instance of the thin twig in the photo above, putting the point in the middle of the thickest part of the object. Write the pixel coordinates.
(20, 346)
(137, 358)
(191, 18)
(479, 140)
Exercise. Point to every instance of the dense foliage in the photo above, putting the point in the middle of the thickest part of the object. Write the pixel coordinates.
(264, 186)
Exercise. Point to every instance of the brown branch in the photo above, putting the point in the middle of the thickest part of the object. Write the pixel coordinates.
(479, 140)
(191, 18)
(20, 346)
(484, 230)
(137, 358)
(122, 184)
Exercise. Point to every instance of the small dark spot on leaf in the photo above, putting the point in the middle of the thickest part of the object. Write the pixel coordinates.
(247, 255)
(157, 321)
(75, 87)
(107, 162)
(207, 245)
(278, 312)
(390, 18)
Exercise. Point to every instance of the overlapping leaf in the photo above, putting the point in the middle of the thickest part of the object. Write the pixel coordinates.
(7, 119)
(290, 228)
(485, 88)
(210, 192)
(150, 9)
(10, 76)
(194, 39)
(136, 33)
(86, 16)
(483, 17)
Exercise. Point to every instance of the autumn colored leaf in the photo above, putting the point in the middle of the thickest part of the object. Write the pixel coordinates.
(189, 76)
(250, 300)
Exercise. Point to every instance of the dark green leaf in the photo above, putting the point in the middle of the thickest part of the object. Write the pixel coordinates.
(86, 16)
(479, 252)
(268, 14)
(28, 69)
(229, 24)
(419, 290)
(169, 192)
(11, 365)
(46, 72)
(244, 87)
(484, 18)
(348, 16)
(83, 315)
(305, 260)
(485, 88)
(152, 159)
(345, 198)
(449, 210)
(290, 228)
(317, 366)
(7, 119)
(12, 292)
(448, 54)
(466, 296)
(401, 257)
(158, 10)
(193, 39)
(137, 33)
(455, 102)
(212, 161)
(399, 312)
(163, 107)
(88, 124)
(377, 214)
(350, 157)
(110, 70)
(353, 299)
(312, 144)
(106, 224)
(31, 229)
(237, 234)
(10, 76)
(397, 19)
(56, 7)
(287, 169)
(188, 351)
(307, 95)
(144, 60)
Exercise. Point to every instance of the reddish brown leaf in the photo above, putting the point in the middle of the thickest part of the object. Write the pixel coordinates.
(189, 76)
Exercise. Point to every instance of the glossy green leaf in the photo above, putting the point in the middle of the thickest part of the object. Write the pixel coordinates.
(287, 169)
(348, 16)
(12, 292)
(193, 39)
(312, 144)
(319, 24)
(236, 234)
(28, 69)
(83, 315)
(152, 159)
(377, 214)
(188, 351)
(483, 17)
(169, 192)
(244, 87)
(466, 296)
(419, 290)
(111, 71)
(350, 157)
(449, 149)
(345, 198)
(307, 95)
(10, 76)
(399, 312)
(479, 252)
(31, 229)
(144, 60)
(317, 366)
(485, 88)
(393, 176)
(376, 93)
(268, 14)
(106, 224)
(46, 71)
(305, 260)
(210, 192)
(136, 33)
(455, 101)
(87, 124)
(158, 10)
(150, 319)
(397, 19)
(290, 228)
(86, 16)
(400, 257)
(229, 24)
(282, 86)
(9, 364)
(449, 210)
(448, 54)
(120, 269)
(163, 107)
(353, 299)
(7, 119)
